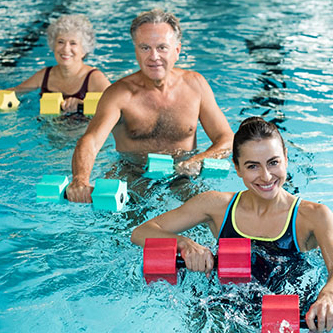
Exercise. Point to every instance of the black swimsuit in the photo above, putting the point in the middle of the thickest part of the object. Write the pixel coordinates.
(285, 241)
(278, 264)
(80, 94)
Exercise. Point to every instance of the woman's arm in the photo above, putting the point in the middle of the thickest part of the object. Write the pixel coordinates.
(205, 207)
(32, 83)
(318, 220)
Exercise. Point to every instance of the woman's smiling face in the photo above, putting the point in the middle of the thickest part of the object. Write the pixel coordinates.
(263, 166)
(68, 49)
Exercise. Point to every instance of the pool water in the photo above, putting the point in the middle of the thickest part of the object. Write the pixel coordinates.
(68, 268)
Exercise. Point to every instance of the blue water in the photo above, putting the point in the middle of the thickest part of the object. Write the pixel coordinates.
(68, 268)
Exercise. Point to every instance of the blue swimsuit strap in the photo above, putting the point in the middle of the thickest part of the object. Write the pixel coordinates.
(294, 223)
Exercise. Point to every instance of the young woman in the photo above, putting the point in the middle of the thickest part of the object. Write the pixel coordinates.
(70, 38)
(265, 212)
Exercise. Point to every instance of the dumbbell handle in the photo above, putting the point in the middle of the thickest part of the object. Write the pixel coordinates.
(180, 262)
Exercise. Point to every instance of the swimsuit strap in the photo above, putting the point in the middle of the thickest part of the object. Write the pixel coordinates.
(45, 80)
(84, 87)
(294, 223)
(227, 212)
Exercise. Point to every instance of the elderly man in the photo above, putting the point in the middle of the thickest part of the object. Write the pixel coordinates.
(153, 110)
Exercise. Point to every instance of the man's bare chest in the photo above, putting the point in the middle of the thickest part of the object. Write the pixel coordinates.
(171, 120)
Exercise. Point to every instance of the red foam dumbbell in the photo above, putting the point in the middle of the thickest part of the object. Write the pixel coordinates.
(234, 260)
(280, 313)
(160, 260)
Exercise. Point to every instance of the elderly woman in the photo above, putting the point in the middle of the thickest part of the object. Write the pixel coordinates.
(266, 213)
(71, 38)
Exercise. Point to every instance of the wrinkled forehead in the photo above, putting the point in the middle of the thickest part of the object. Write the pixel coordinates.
(69, 35)
(157, 32)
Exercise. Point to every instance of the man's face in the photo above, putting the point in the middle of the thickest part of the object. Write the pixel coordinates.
(156, 50)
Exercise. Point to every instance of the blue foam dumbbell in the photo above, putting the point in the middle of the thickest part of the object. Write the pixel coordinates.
(160, 165)
(108, 194)
(213, 167)
(52, 188)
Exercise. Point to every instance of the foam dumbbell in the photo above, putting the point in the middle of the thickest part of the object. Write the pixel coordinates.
(8, 100)
(233, 261)
(162, 165)
(50, 103)
(280, 313)
(159, 166)
(108, 194)
(90, 102)
(217, 168)
(52, 188)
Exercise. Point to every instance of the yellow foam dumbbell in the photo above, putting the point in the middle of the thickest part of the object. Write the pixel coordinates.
(8, 100)
(50, 103)
(90, 102)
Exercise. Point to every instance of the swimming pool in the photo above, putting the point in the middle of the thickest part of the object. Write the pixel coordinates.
(67, 268)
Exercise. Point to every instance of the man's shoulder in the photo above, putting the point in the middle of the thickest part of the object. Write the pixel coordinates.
(127, 84)
(190, 77)
(187, 73)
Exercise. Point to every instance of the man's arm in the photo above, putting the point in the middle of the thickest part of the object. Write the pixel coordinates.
(216, 127)
(87, 148)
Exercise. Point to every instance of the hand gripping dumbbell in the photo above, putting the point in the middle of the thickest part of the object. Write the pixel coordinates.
(233, 261)
(108, 194)
(280, 313)
(161, 165)
(50, 103)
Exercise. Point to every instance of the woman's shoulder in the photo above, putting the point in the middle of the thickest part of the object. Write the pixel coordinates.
(97, 79)
(214, 198)
(314, 213)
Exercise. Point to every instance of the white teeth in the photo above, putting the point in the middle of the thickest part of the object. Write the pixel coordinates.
(266, 186)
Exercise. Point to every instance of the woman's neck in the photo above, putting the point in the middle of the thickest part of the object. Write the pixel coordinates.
(262, 206)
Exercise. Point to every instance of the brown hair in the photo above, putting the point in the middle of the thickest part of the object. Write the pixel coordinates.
(254, 129)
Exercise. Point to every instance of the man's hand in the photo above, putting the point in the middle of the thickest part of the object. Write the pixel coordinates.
(189, 168)
(77, 192)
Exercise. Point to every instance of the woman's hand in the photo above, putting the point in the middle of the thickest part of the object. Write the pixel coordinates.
(197, 257)
(70, 104)
(323, 310)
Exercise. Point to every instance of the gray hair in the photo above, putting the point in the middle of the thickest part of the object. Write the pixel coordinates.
(156, 16)
(77, 24)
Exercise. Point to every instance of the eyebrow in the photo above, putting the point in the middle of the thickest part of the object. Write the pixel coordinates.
(255, 162)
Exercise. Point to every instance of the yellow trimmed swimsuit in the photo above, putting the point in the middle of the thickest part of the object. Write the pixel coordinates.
(285, 241)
